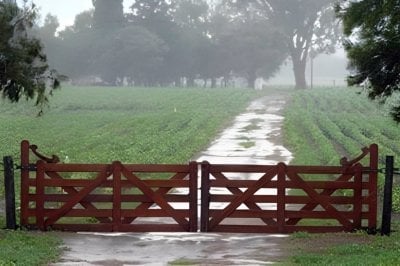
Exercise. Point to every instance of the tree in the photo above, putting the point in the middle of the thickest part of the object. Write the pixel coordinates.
(51, 44)
(75, 43)
(108, 14)
(373, 46)
(306, 24)
(156, 16)
(131, 52)
(24, 71)
(254, 47)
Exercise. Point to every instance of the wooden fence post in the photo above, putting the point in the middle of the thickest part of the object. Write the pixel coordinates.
(373, 189)
(9, 192)
(205, 196)
(193, 198)
(387, 197)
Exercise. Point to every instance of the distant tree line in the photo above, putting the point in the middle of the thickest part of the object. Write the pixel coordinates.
(178, 42)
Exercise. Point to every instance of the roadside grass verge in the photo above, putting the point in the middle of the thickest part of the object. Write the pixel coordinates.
(28, 248)
(346, 249)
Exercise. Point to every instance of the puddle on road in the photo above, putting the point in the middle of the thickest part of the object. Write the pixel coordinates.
(259, 126)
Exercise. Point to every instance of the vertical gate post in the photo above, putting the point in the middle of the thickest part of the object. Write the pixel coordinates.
(9, 189)
(193, 198)
(373, 188)
(24, 182)
(357, 196)
(116, 210)
(281, 195)
(387, 197)
(205, 196)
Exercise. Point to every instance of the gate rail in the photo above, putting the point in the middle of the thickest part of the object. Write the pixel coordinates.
(133, 197)
(114, 198)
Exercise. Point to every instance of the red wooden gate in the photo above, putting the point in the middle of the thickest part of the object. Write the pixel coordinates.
(285, 199)
(107, 197)
(234, 198)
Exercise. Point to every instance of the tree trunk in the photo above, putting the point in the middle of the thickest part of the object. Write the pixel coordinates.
(213, 83)
(251, 80)
(299, 69)
(178, 82)
(190, 82)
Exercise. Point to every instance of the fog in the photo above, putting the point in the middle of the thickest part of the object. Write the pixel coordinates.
(193, 43)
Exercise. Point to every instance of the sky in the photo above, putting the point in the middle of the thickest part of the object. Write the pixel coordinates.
(66, 10)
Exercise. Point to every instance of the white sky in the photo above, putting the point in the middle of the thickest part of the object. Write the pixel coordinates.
(66, 10)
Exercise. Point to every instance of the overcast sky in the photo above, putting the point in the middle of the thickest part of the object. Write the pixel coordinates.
(66, 10)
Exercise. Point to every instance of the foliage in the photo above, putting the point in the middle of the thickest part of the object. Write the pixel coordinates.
(254, 47)
(373, 46)
(307, 25)
(164, 43)
(23, 65)
(24, 248)
(108, 14)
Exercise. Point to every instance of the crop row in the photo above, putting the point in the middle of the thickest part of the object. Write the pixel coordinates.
(342, 118)
(162, 125)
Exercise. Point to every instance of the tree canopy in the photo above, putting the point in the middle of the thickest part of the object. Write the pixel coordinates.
(373, 46)
(24, 71)
(188, 42)
(307, 25)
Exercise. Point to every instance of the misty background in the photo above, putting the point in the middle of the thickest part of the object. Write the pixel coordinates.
(190, 43)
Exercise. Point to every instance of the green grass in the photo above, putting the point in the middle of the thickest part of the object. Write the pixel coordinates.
(27, 248)
(380, 250)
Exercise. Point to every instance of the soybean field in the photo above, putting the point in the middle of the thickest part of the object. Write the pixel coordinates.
(136, 125)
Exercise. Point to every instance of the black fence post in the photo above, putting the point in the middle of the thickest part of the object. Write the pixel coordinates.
(9, 190)
(387, 197)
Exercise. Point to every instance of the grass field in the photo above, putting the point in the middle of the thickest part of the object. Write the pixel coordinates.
(140, 125)
(100, 125)
(324, 124)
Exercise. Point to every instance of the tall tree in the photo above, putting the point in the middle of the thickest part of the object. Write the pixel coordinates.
(24, 71)
(51, 43)
(306, 24)
(75, 47)
(191, 18)
(157, 17)
(373, 46)
(254, 46)
(108, 14)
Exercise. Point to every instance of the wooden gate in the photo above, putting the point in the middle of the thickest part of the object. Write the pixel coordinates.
(285, 199)
(234, 198)
(107, 197)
